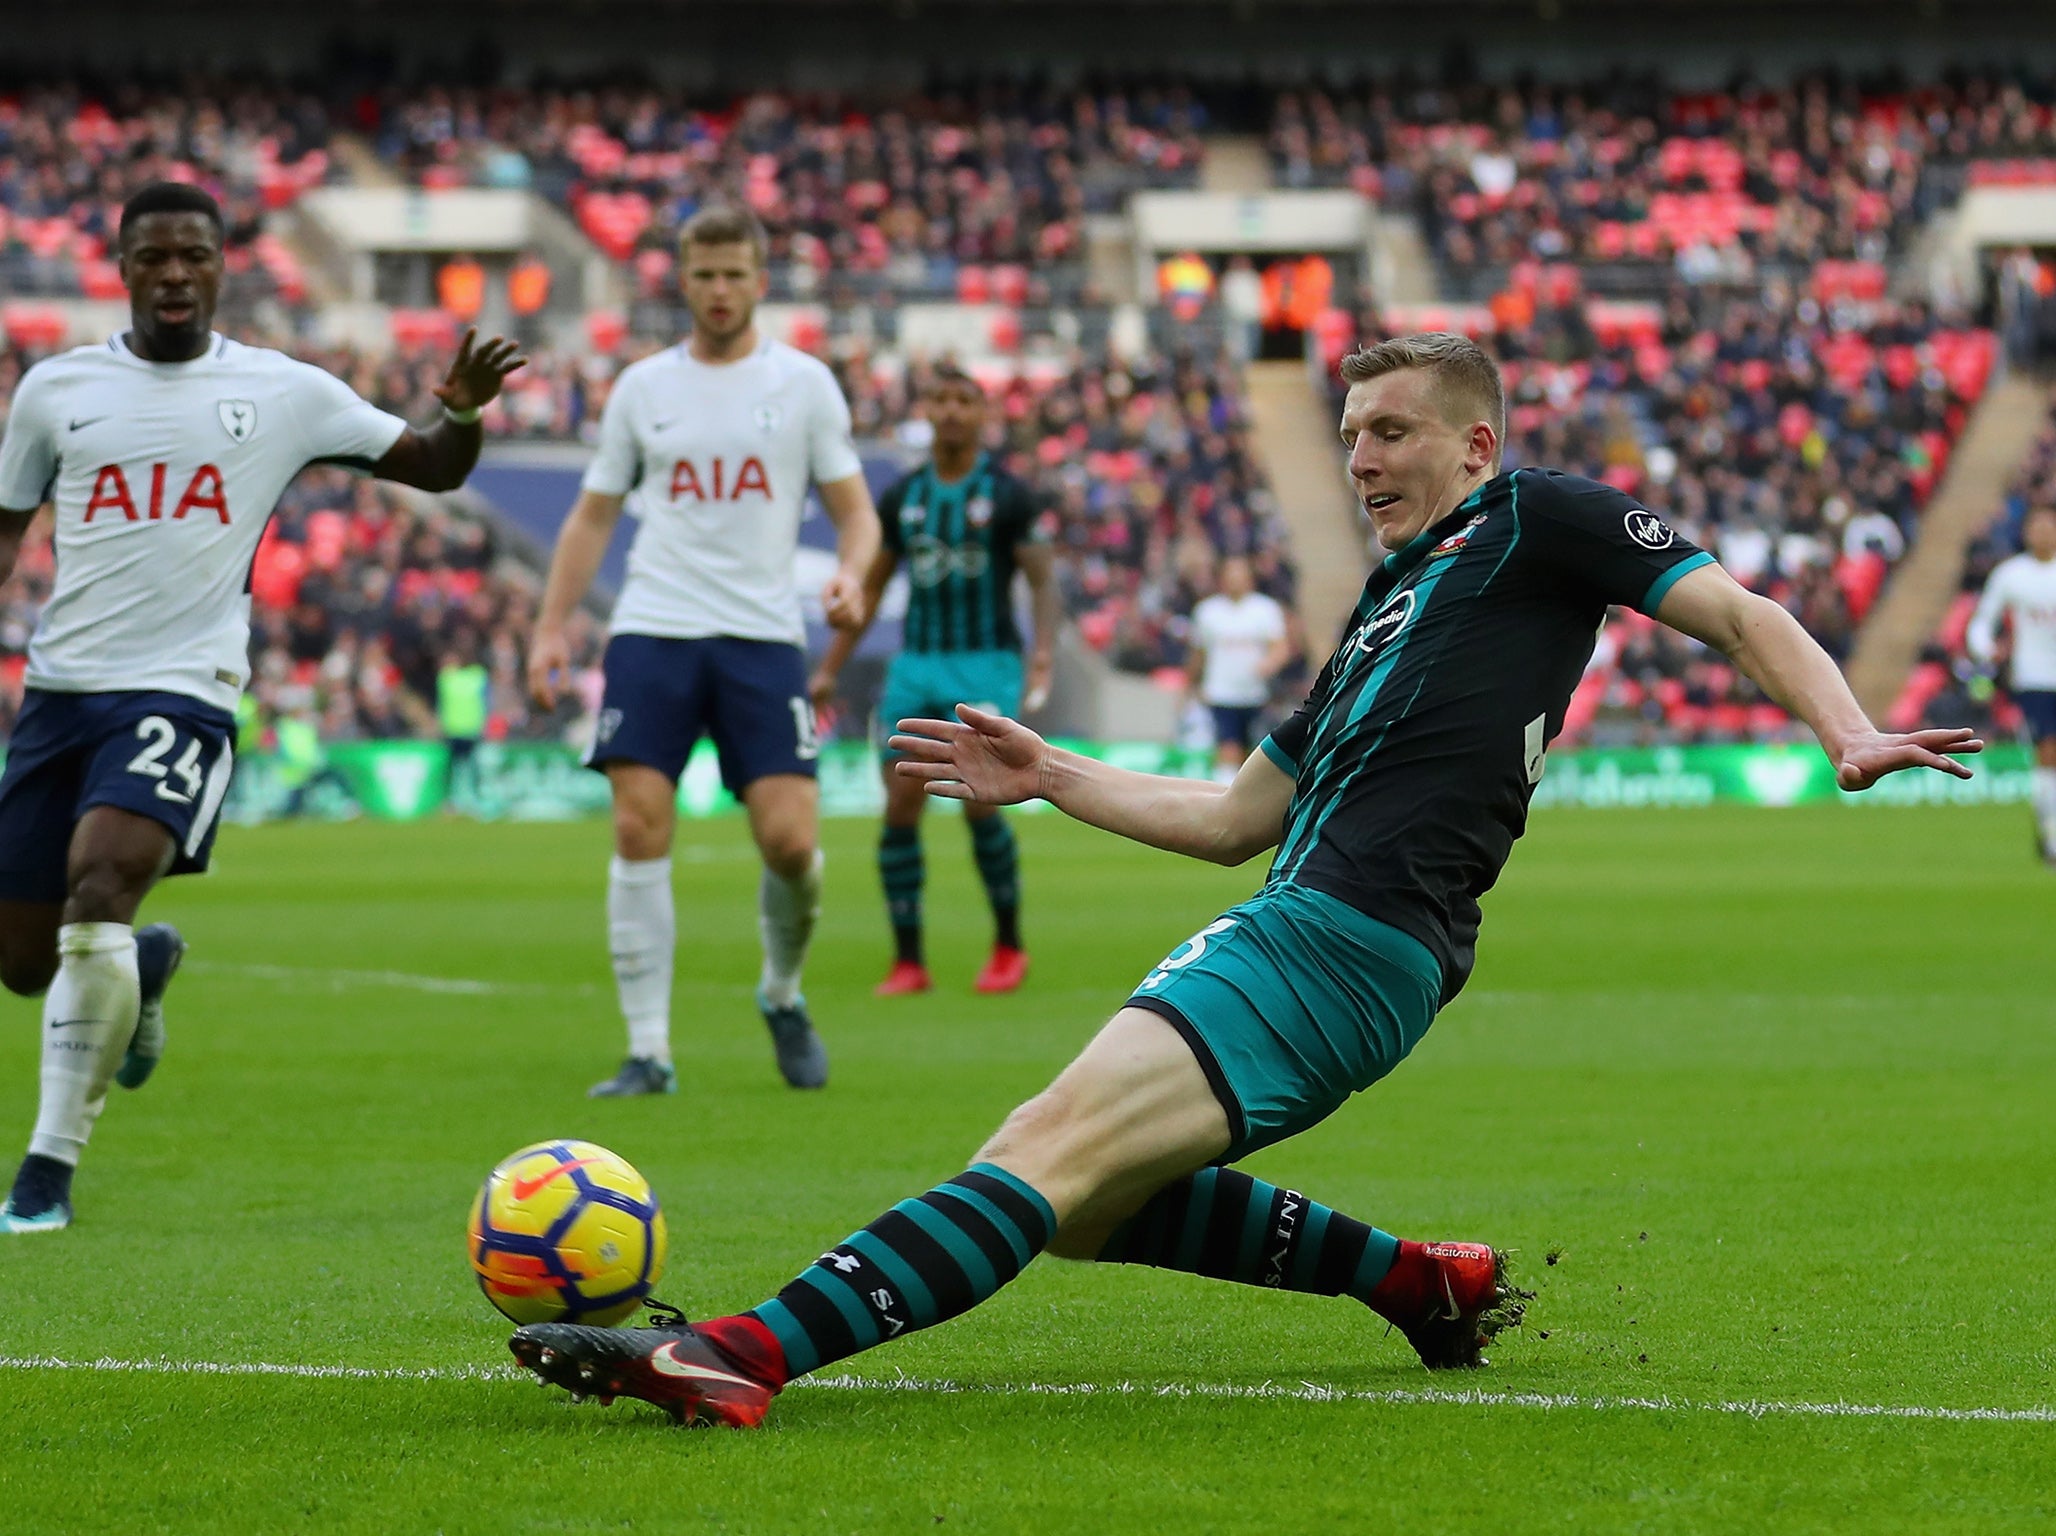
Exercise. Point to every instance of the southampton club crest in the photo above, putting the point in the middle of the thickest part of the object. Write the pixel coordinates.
(238, 418)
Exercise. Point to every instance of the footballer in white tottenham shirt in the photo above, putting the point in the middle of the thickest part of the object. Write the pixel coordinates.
(160, 453)
(2021, 592)
(718, 460)
(163, 477)
(1238, 639)
(714, 444)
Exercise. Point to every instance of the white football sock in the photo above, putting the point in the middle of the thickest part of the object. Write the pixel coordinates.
(2043, 794)
(642, 930)
(786, 910)
(89, 1016)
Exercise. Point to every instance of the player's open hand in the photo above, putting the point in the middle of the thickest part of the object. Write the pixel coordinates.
(549, 662)
(1865, 759)
(478, 372)
(977, 756)
(842, 602)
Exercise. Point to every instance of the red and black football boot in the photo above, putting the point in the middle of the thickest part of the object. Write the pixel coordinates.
(904, 979)
(671, 1366)
(1004, 972)
(1451, 1300)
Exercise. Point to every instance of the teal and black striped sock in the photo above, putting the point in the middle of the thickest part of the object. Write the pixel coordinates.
(992, 844)
(902, 871)
(1225, 1225)
(919, 1264)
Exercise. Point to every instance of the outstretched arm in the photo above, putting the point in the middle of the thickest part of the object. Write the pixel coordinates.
(843, 643)
(581, 545)
(857, 540)
(442, 457)
(1778, 655)
(997, 761)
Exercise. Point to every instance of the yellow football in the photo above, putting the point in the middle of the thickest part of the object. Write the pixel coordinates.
(566, 1232)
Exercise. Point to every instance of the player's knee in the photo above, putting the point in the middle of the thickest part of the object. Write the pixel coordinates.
(1034, 1137)
(639, 832)
(788, 851)
(105, 891)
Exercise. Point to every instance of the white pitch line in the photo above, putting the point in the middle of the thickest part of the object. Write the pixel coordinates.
(339, 980)
(1301, 1392)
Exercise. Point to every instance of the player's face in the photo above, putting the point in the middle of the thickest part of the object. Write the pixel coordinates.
(1237, 580)
(957, 412)
(722, 285)
(1408, 463)
(2040, 535)
(172, 265)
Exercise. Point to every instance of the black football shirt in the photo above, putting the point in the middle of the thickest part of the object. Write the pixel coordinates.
(1418, 748)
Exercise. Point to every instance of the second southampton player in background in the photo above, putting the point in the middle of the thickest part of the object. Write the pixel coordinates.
(962, 527)
(162, 452)
(2022, 594)
(719, 439)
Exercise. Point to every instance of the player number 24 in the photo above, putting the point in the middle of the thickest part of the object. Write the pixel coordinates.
(159, 736)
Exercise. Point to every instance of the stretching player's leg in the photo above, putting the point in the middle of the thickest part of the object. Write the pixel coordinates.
(1111, 1161)
(785, 819)
(90, 1012)
(902, 870)
(999, 868)
(641, 925)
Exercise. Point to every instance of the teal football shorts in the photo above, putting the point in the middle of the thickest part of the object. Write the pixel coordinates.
(1292, 1002)
(929, 685)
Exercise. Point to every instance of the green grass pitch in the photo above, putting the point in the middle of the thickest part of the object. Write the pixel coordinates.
(1777, 1085)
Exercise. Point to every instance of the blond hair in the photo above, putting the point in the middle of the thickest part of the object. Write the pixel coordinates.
(718, 224)
(1466, 380)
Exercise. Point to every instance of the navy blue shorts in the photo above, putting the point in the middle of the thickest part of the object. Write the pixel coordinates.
(1236, 723)
(2038, 709)
(663, 695)
(160, 755)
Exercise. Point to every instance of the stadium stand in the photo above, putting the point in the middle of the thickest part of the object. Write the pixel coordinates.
(69, 158)
(944, 197)
(1689, 292)
(1634, 179)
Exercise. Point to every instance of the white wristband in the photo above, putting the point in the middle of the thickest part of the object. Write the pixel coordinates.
(465, 418)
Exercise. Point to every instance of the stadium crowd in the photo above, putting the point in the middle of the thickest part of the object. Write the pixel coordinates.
(906, 197)
(69, 159)
(1628, 170)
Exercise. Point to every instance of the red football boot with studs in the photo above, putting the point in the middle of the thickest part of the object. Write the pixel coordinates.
(1451, 1300)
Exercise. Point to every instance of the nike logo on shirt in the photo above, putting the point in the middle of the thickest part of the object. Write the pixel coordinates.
(77, 425)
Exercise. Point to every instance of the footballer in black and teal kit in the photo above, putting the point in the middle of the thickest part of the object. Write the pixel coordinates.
(1392, 798)
(1412, 760)
(959, 541)
(961, 528)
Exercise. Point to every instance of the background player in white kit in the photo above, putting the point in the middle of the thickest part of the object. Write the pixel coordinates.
(2022, 593)
(163, 451)
(719, 439)
(1240, 640)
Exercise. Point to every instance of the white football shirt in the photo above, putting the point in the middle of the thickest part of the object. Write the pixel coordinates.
(163, 476)
(1237, 635)
(716, 459)
(2025, 588)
